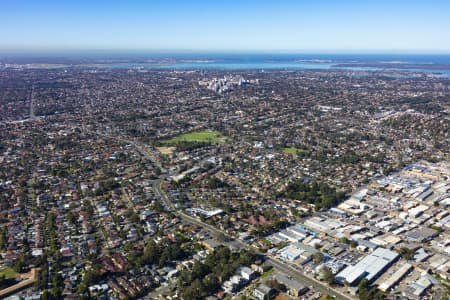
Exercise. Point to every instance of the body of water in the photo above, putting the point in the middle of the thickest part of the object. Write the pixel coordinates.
(390, 63)
(400, 63)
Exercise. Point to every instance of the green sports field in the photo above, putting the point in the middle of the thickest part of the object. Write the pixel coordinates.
(8, 273)
(213, 137)
(294, 151)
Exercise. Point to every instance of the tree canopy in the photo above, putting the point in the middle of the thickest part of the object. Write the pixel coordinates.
(320, 194)
(203, 279)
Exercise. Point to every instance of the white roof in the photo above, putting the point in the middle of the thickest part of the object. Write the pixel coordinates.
(291, 252)
(369, 267)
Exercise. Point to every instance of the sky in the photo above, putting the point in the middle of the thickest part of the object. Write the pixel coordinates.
(226, 25)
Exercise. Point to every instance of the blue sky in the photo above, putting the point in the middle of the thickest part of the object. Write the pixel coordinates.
(226, 25)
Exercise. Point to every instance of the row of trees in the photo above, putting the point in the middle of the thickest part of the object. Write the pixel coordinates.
(3, 237)
(49, 276)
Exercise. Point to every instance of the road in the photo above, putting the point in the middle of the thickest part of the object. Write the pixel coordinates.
(159, 193)
(318, 286)
(29, 280)
(282, 266)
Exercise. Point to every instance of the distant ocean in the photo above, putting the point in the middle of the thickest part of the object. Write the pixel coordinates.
(412, 63)
(368, 62)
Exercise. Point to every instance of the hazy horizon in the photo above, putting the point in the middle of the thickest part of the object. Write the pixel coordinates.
(285, 26)
(202, 52)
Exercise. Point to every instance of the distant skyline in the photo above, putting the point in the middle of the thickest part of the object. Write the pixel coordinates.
(322, 26)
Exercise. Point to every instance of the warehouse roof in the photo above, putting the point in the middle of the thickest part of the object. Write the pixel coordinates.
(369, 267)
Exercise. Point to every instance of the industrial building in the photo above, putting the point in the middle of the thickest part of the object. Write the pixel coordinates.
(291, 252)
(298, 230)
(298, 251)
(206, 213)
(263, 292)
(370, 267)
(421, 235)
(396, 277)
(294, 287)
(291, 236)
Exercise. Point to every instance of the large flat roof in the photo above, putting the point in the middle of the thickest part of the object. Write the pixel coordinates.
(369, 267)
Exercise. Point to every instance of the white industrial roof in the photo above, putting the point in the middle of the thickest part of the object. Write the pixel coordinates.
(369, 267)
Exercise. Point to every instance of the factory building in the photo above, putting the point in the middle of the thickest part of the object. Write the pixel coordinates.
(370, 267)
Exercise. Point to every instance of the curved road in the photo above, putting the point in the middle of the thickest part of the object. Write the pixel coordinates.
(280, 265)
(285, 268)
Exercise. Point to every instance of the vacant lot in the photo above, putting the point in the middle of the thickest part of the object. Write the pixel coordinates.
(165, 150)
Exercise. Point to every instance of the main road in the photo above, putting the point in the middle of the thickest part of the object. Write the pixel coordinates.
(274, 262)
(278, 264)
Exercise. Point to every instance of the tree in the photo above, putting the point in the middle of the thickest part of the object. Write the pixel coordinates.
(345, 240)
(215, 183)
(273, 283)
(204, 278)
(82, 288)
(20, 263)
(328, 276)
(199, 270)
(45, 295)
(3, 281)
(70, 217)
(407, 253)
(366, 292)
(92, 275)
(3, 237)
(58, 286)
(211, 284)
(318, 258)
(194, 291)
(41, 282)
(318, 193)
